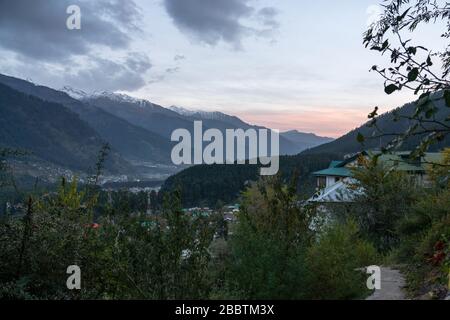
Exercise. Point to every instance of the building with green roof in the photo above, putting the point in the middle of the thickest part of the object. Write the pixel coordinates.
(333, 181)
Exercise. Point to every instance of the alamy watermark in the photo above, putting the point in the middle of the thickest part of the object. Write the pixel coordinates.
(74, 280)
(374, 281)
(237, 147)
(73, 22)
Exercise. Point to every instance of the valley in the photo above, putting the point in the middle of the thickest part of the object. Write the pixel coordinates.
(137, 131)
(187, 152)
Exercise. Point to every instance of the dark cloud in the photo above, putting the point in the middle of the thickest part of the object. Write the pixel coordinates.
(138, 62)
(37, 29)
(104, 74)
(36, 32)
(212, 21)
(179, 57)
(167, 72)
(268, 16)
(172, 70)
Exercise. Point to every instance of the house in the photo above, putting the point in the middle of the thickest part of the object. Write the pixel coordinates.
(335, 183)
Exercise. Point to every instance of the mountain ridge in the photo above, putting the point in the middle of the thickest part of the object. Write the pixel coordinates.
(132, 141)
(222, 183)
(348, 143)
(138, 130)
(50, 131)
(164, 121)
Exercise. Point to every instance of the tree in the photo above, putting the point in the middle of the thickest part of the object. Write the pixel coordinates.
(55, 232)
(163, 257)
(6, 178)
(268, 246)
(334, 261)
(413, 67)
(387, 197)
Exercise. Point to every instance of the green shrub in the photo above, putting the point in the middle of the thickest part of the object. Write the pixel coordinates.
(429, 266)
(425, 242)
(333, 263)
(387, 199)
(269, 243)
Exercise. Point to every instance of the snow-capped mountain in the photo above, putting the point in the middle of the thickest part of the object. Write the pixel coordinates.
(113, 96)
(182, 111)
(212, 115)
(209, 115)
(162, 121)
(120, 97)
(138, 130)
(74, 93)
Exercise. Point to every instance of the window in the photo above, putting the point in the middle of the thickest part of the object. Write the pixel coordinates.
(321, 182)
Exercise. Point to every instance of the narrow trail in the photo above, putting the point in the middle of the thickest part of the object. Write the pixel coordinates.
(392, 283)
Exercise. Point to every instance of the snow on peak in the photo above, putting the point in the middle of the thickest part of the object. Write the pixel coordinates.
(211, 115)
(182, 111)
(119, 97)
(74, 93)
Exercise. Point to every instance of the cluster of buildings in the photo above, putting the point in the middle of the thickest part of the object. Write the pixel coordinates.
(199, 211)
(229, 212)
(336, 183)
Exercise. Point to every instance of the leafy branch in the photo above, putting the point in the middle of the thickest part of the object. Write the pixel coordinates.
(413, 67)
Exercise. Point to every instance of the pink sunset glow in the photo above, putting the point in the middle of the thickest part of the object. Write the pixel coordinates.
(329, 123)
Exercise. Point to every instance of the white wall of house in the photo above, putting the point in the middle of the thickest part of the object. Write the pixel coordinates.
(328, 180)
(331, 181)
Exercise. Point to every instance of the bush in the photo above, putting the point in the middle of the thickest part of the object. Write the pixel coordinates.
(275, 254)
(332, 263)
(269, 243)
(387, 199)
(264, 267)
(120, 257)
(429, 264)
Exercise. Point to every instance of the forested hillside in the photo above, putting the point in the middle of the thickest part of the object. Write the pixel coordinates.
(133, 142)
(48, 131)
(206, 185)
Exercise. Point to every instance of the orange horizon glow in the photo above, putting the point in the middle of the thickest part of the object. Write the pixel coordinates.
(327, 123)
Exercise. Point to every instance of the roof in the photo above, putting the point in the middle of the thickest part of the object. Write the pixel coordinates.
(336, 168)
(339, 171)
(400, 160)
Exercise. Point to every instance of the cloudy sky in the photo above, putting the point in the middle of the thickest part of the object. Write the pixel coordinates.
(286, 64)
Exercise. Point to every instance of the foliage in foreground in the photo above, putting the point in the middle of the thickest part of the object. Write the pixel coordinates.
(387, 199)
(121, 257)
(276, 254)
(408, 222)
(272, 252)
(334, 261)
(279, 249)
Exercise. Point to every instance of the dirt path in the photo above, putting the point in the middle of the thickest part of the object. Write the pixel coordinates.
(392, 282)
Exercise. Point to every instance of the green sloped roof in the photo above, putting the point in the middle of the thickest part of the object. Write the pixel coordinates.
(401, 161)
(398, 159)
(339, 171)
